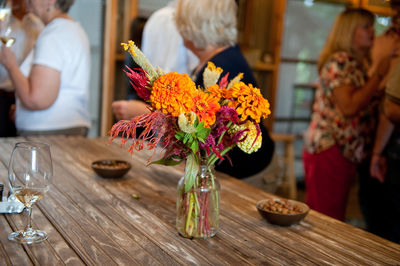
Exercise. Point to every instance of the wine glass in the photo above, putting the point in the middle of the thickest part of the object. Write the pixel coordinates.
(29, 173)
(5, 19)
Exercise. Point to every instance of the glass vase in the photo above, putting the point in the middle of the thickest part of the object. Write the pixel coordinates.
(198, 207)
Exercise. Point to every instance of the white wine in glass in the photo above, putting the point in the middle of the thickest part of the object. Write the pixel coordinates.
(29, 173)
(7, 41)
(28, 196)
(5, 18)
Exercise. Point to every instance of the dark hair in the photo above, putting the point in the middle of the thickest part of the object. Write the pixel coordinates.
(64, 5)
(136, 30)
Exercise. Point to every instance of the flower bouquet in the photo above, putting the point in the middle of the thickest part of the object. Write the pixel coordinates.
(195, 125)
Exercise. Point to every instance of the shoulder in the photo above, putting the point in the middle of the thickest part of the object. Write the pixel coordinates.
(232, 60)
(61, 42)
(340, 58)
(31, 21)
(63, 32)
(339, 61)
(62, 27)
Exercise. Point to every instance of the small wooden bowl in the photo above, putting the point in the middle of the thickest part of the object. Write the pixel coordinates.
(279, 218)
(111, 168)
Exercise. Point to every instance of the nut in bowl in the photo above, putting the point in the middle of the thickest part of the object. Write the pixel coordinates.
(282, 211)
(111, 168)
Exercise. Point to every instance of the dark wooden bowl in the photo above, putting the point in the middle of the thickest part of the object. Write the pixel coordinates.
(278, 218)
(111, 168)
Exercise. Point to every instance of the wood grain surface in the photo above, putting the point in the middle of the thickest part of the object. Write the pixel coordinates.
(96, 221)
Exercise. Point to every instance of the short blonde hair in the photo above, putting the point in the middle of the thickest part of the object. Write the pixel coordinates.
(207, 22)
(341, 36)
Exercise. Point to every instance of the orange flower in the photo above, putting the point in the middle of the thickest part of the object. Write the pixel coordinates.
(216, 91)
(206, 106)
(173, 94)
(248, 101)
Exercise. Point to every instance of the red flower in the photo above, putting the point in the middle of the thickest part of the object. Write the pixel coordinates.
(139, 82)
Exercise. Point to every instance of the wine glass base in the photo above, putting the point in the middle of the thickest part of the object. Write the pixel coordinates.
(22, 237)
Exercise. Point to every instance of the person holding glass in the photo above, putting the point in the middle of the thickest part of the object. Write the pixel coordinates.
(342, 121)
(21, 30)
(52, 92)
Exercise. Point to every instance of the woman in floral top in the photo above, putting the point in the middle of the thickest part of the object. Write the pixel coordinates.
(342, 119)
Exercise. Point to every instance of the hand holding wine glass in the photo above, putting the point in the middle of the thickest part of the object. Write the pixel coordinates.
(29, 173)
(5, 29)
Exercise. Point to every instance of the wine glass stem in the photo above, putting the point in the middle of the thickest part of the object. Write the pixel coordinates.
(28, 227)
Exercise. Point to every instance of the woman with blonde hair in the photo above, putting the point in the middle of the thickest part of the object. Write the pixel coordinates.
(342, 121)
(208, 29)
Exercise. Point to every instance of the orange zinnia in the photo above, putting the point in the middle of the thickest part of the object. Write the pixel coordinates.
(206, 106)
(248, 101)
(173, 94)
(216, 91)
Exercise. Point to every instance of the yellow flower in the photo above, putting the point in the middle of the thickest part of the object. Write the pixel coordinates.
(206, 106)
(211, 74)
(186, 121)
(236, 79)
(142, 61)
(248, 102)
(173, 94)
(247, 145)
(129, 46)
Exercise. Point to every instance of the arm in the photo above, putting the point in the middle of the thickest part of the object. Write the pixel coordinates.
(392, 111)
(126, 110)
(351, 100)
(37, 92)
(378, 163)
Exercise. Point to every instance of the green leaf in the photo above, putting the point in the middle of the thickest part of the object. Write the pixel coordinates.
(194, 146)
(186, 138)
(200, 125)
(202, 132)
(196, 122)
(168, 161)
(180, 135)
(191, 170)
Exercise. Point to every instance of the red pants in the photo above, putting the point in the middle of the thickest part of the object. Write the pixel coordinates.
(329, 176)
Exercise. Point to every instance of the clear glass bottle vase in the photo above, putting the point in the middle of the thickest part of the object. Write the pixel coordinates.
(198, 208)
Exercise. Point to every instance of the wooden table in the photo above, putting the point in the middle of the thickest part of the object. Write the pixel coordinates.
(96, 221)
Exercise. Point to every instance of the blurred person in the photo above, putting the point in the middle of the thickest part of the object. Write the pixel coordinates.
(162, 44)
(134, 105)
(52, 92)
(379, 183)
(136, 33)
(208, 29)
(344, 111)
(24, 28)
(381, 206)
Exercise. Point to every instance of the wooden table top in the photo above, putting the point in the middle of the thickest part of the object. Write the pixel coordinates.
(96, 221)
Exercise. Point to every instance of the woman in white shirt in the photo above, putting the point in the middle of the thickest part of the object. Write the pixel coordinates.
(52, 98)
